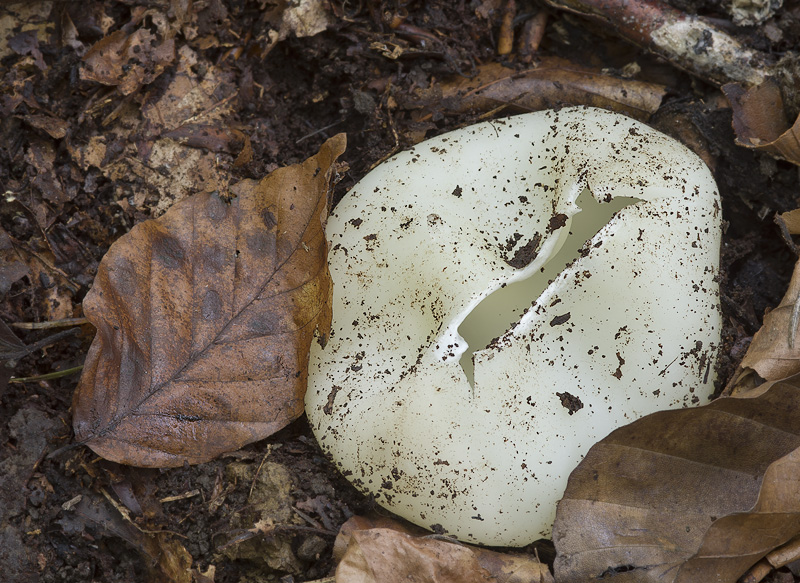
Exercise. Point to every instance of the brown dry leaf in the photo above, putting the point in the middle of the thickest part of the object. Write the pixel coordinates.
(687, 495)
(128, 61)
(368, 522)
(554, 81)
(205, 317)
(760, 121)
(774, 352)
(386, 551)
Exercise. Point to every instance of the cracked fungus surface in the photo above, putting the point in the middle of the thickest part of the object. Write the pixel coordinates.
(586, 322)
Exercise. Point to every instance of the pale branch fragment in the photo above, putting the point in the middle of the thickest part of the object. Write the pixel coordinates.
(531, 36)
(687, 41)
(505, 42)
(775, 559)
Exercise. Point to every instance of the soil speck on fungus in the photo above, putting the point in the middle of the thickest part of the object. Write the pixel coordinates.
(570, 402)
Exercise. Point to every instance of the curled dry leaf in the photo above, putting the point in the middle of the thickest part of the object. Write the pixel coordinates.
(774, 352)
(760, 122)
(688, 495)
(204, 320)
(390, 553)
(554, 81)
(367, 522)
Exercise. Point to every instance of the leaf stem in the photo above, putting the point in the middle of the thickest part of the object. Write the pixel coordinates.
(46, 377)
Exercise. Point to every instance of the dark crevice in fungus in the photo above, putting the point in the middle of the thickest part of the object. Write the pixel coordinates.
(501, 310)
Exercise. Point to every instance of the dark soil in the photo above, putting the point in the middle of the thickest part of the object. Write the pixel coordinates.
(60, 516)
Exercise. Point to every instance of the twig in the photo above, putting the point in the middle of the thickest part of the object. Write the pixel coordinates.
(784, 554)
(126, 515)
(319, 131)
(688, 42)
(307, 518)
(184, 496)
(775, 559)
(532, 35)
(505, 41)
(786, 235)
(258, 471)
(757, 572)
(47, 377)
(50, 324)
(22, 351)
(794, 322)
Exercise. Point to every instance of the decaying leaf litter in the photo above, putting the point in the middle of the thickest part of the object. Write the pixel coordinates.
(230, 92)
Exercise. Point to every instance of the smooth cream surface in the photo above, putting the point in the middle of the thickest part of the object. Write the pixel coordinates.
(629, 327)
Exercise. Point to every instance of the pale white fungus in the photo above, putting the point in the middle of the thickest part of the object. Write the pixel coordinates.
(575, 251)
